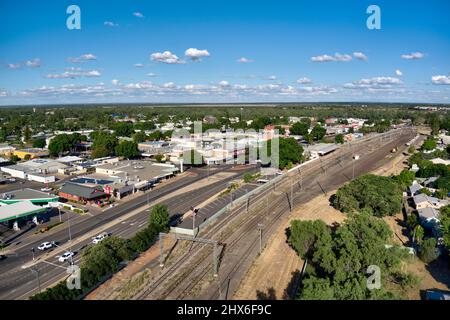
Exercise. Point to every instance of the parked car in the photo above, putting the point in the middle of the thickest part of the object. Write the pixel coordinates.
(99, 238)
(46, 189)
(45, 245)
(2, 257)
(66, 256)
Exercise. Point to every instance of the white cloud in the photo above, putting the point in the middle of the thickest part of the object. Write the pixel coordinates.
(360, 56)
(34, 63)
(272, 77)
(224, 83)
(322, 58)
(74, 74)
(439, 79)
(110, 24)
(151, 74)
(3, 93)
(304, 80)
(398, 73)
(375, 83)
(14, 65)
(196, 54)
(343, 57)
(413, 56)
(114, 82)
(318, 90)
(244, 60)
(138, 65)
(328, 58)
(138, 14)
(83, 58)
(166, 57)
(169, 85)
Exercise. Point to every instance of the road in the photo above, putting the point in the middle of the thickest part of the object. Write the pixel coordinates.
(189, 274)
(19, 283)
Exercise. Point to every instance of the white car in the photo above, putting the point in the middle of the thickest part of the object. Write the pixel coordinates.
(46, 189)
(45, 245)
(99, 238)
(66, 256)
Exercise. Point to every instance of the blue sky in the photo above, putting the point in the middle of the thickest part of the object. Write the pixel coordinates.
(224, 51)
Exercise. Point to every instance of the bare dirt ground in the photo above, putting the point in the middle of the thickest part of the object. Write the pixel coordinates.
(272, 272)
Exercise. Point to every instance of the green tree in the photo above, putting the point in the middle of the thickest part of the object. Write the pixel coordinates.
(339, 138)
(290, 152)
(418, 234)
(411, 149)
(425, 191)
(159, 218)
(123, 129)
(341, 256)
(405, 178)
(139, 137)
(318, 132)
(103, 145)
(39, 143)
(428, 251)
(429, 144)
(377, 195)
(299, 128)
(303, 236)
(26, 133)
(128, 150)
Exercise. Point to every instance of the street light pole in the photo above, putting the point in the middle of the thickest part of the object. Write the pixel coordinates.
(59, 212)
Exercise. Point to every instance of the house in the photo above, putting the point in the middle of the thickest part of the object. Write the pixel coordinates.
(415, 188)
(414, 168)
(428, 215)
(79, 193)
(423, 201)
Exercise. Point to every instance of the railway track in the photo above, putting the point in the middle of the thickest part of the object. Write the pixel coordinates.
(181, 277)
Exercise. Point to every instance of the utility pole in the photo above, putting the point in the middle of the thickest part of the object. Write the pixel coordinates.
(32, 251)
(59, 212)
(260, 227)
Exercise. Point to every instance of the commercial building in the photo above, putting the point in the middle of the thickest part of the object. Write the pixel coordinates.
(19, 206)
(13, 212)
(132, 175)
(27, 195)
(82, 193)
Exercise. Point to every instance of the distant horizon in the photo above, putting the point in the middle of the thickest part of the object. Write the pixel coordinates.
(207, 104)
